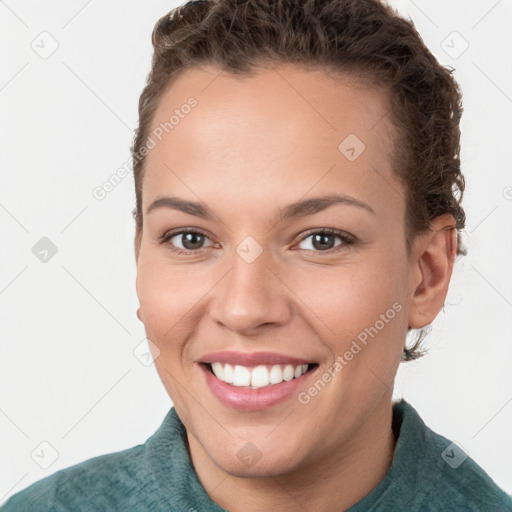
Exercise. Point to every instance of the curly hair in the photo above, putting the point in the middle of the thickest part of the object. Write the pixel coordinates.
(365, 38)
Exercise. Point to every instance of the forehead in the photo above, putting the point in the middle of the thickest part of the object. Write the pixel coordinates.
(282, 127)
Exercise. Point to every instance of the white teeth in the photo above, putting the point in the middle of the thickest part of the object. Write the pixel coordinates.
(276, 374)
(241, 376)
(288, 372)
(228, 373)
(258, 376)
(218, 369)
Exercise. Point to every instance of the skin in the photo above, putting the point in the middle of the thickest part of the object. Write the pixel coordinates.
(249, 148)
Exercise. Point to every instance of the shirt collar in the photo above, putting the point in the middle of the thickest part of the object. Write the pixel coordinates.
(168, 460)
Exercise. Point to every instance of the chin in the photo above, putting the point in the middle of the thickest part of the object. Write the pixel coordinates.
(260, 470)
(249, 462)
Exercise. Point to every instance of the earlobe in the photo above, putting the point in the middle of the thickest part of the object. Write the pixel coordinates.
(434, 256)
(139, 315)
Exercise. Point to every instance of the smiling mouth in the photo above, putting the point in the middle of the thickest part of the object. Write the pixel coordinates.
(260, 376)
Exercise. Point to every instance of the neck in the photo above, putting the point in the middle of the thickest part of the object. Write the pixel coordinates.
(331, 483)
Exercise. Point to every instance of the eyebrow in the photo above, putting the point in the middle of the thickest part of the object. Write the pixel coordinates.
(298, 209)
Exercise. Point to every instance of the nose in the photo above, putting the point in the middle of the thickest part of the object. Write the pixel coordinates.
(252, 295)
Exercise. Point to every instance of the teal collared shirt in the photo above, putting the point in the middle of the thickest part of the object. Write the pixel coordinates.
(428, 473)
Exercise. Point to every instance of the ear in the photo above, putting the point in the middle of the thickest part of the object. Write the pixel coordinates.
(431, 265)
(139, 315)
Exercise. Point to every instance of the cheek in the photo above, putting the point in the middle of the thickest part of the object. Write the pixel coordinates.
(358, 302)
(169, 301)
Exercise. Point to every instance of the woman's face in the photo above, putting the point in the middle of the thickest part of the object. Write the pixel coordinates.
(246, 163)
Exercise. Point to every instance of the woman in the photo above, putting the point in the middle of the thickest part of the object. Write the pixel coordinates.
(298, 191)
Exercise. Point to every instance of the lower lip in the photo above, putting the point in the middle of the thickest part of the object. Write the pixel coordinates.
(245, 399)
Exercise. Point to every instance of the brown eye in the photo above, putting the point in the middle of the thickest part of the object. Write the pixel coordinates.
(186, 241)
(325, 240)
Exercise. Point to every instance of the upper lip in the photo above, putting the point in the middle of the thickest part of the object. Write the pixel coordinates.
(252, 358)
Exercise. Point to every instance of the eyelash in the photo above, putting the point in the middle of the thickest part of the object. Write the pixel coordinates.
(346, 239)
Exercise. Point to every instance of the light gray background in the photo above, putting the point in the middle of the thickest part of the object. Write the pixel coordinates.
(68, 374)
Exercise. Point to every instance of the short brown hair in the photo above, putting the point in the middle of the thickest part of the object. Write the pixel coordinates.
(365, 37)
